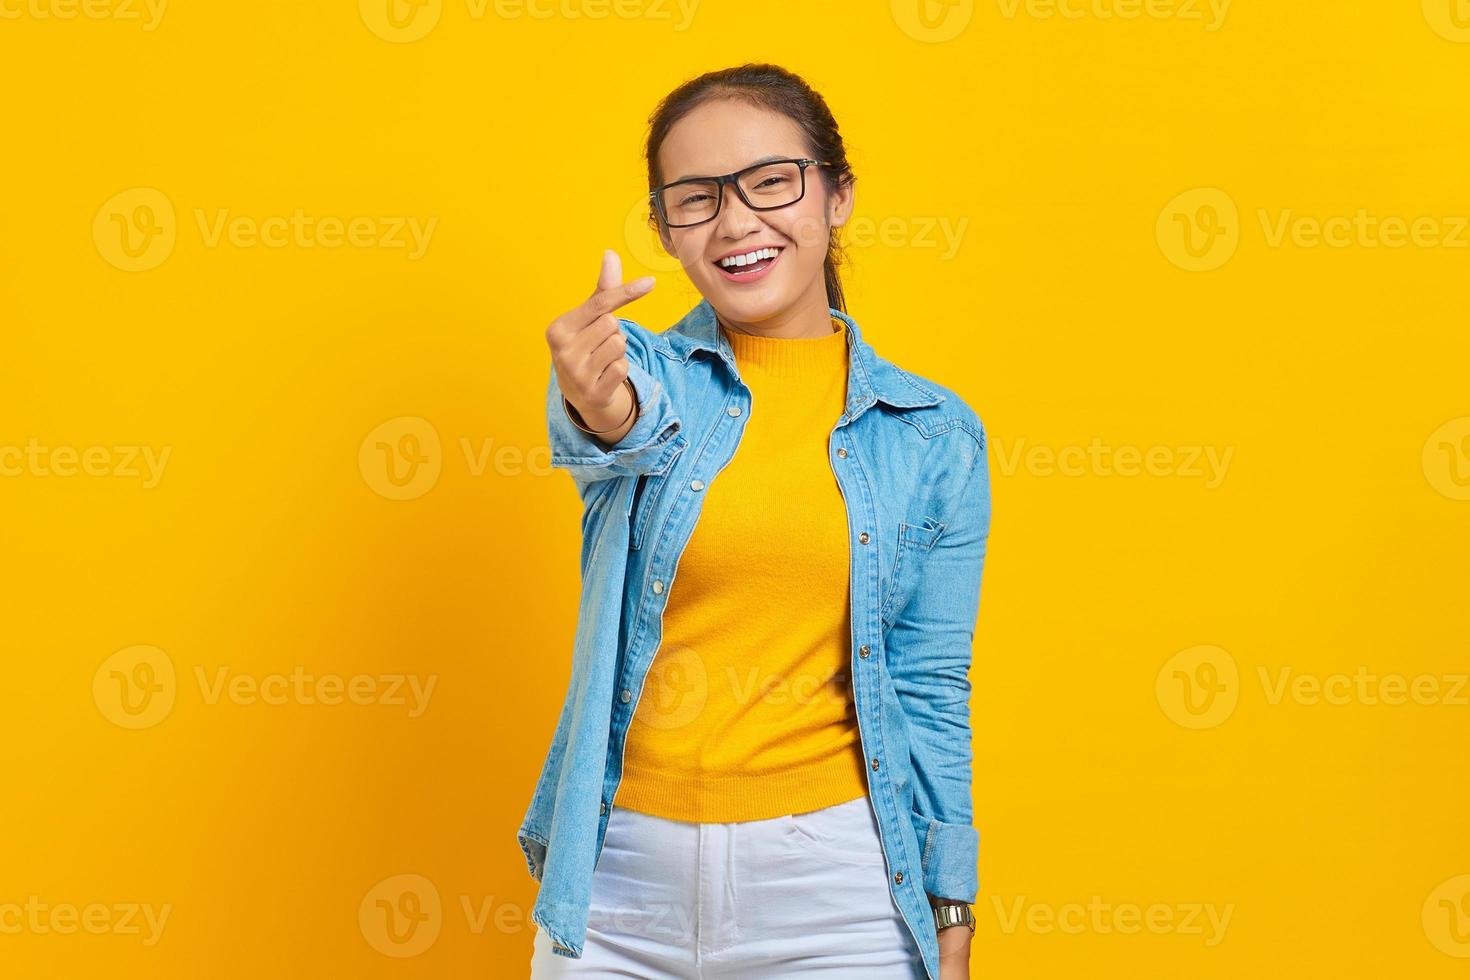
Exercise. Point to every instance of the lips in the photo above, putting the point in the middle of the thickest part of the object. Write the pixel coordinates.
(754, 271)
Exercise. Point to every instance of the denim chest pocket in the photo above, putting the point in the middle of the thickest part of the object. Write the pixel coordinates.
(914, 541)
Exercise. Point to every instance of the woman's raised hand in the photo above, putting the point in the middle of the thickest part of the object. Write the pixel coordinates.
(588, 351)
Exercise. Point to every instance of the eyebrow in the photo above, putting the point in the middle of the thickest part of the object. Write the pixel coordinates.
(768, 158)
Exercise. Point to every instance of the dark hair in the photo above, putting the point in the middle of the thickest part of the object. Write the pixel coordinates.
(766, 87)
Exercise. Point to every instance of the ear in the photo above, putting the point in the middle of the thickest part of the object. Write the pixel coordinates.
(840, 203)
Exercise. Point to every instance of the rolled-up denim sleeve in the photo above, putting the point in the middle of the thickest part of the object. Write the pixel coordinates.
(929, 655)
(649, 447)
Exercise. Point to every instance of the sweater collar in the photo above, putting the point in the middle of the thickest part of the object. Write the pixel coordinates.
(791, 357)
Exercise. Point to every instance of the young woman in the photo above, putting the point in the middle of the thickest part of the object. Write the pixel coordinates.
(763, 764)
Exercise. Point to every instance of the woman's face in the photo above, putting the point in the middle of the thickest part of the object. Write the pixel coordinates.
(720, 137)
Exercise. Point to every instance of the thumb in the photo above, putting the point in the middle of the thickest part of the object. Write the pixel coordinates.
(612, 271)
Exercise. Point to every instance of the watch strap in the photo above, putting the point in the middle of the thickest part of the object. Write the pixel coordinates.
(954, 915)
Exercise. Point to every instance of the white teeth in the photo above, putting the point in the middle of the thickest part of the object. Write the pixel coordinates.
(749, 258)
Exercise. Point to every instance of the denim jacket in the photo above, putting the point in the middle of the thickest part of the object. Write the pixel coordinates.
(909, 458)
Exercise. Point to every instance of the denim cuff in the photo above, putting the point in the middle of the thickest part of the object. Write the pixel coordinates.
(951, 858)
(649, 447)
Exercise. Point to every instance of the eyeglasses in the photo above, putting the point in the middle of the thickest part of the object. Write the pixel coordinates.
(763, 187)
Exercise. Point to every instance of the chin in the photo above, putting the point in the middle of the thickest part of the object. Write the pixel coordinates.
(751, 303)
(746, 306)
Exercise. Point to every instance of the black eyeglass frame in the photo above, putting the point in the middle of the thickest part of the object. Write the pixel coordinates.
(655, 196)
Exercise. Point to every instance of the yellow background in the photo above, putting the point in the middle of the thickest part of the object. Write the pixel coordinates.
(1066, 155)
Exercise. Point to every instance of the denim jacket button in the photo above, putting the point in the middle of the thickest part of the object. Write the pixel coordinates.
(863, 651)
(696, 484)
(733, 411)
(875, 763)
(842, 452)
(898, 878)
(863, 537)
(602, 808)
(658, 586)
(626, 696)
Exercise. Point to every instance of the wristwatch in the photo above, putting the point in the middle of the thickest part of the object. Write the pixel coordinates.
(954, 915)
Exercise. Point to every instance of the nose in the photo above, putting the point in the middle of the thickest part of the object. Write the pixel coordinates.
(735, 220)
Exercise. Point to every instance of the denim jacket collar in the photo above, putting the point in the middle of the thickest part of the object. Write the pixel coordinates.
(870, 377)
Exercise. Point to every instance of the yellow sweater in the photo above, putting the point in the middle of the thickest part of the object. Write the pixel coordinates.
(747, 710)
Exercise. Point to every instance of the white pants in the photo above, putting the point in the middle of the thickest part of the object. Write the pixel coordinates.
(801, 895)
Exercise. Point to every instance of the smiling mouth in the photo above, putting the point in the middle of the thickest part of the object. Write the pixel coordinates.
(749, 265)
